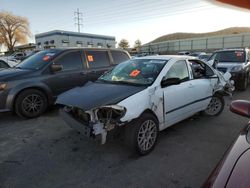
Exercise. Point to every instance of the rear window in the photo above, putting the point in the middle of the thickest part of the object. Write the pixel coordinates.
(230, 56)
(119, 56)
(97, 59)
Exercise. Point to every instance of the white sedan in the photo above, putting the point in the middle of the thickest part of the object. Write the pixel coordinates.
(142, 96)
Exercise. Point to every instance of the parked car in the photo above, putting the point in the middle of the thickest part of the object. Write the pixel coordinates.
(13, 59)
(30, 87)
(204, 57)
(4, 63)
(234, 169)
(142, 96)
(235, 61)
(183, 53)
(197, 54)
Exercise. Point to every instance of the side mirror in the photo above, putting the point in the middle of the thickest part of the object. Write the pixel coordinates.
(56, 68)
(170, 81)
(241, 107)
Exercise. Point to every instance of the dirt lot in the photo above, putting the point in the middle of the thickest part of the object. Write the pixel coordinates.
(45, 152)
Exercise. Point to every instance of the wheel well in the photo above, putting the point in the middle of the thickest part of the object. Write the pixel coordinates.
(36, 88)
(151, 112)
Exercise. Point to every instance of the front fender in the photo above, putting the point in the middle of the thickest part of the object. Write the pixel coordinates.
(27, 85)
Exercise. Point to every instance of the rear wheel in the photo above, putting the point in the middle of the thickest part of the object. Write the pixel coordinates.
(141, 135)
(215, 106)
(31, 103)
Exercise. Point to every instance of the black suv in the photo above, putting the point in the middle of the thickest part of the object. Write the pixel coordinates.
(235, 61)
(30, 87)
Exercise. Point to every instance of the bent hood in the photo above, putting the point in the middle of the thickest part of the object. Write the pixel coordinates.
(94, 95)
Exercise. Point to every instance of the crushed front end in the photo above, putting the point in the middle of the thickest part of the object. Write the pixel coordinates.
(95, 123)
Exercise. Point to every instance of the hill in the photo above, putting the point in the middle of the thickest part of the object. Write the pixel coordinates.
(178, 36)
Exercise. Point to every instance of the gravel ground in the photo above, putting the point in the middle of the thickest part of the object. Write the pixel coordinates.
(45, 152)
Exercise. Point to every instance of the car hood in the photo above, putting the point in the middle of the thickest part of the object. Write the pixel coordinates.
(12, 73)
(97, 94)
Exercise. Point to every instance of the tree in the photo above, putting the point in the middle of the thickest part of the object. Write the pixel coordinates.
(123, 44)
(137, 45)
(13, 30)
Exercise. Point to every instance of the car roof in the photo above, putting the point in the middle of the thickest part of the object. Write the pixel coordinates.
(88, 48)
(231, 49)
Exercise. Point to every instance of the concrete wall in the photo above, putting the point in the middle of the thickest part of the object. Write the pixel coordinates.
(199, 44)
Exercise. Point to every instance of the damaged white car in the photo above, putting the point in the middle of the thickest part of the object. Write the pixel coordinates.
(142, 96)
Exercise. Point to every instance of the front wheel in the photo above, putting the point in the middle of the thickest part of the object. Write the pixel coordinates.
(30, 103)
(141, 135)
(215, 106)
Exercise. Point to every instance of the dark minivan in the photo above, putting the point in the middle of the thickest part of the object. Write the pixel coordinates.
(30, 87)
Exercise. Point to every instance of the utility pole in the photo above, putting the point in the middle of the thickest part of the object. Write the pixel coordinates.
(78, 19)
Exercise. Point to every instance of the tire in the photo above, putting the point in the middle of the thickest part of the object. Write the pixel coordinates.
(138, 140)
(243, 85)
(215, 106)
(25, 108)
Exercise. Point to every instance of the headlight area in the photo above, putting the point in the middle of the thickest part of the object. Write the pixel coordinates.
(237, 68)
(110, 116)
(3, 86)
(95, 123)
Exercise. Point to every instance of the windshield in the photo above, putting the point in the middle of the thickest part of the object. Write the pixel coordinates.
(135, 72)
(230, 56)
(38, 60)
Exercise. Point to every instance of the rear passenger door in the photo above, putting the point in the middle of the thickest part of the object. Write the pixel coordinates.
(71, 75)
(97, 62)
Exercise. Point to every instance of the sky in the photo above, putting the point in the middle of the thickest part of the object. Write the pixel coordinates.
(130, 19)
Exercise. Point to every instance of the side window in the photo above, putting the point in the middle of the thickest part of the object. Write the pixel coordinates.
(200, 70)
(97, 59)
(178, 70)
(119, 56)
(70, 61)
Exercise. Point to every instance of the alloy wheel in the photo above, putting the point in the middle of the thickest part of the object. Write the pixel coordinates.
(147, 135)
(32, 104)
(214, 106)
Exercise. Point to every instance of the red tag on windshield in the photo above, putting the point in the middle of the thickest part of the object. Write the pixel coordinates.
(135, 73)
(46, 58)
(238, 54)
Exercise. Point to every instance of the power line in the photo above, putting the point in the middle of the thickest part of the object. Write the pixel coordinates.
(136, 18)
(78, 18)
(137, 8)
